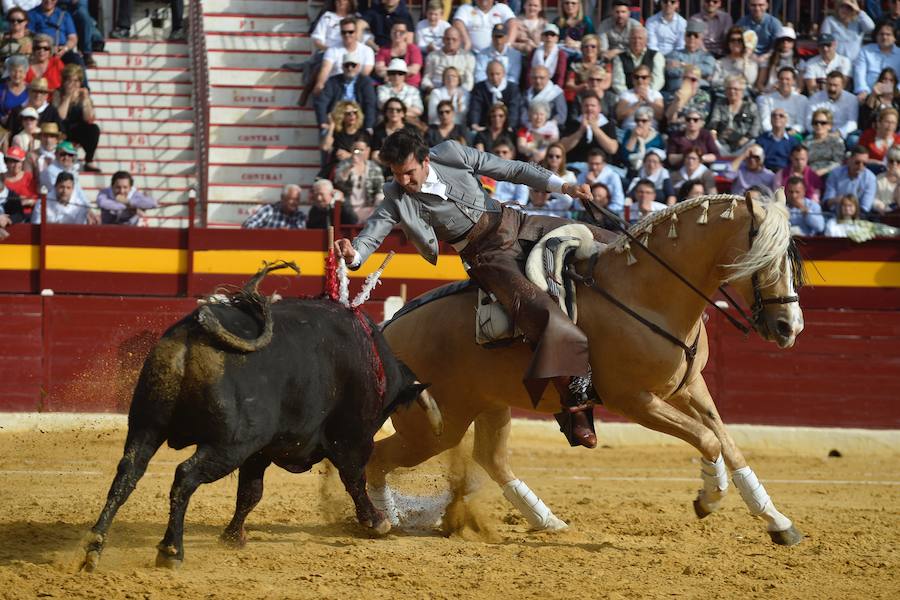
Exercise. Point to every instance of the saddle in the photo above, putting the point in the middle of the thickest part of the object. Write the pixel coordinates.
(545, 267)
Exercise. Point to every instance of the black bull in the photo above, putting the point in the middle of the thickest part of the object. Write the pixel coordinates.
(251, 384)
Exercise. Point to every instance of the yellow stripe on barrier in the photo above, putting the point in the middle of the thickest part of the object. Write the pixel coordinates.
(113, 259)
(846, 273)
(19, 257)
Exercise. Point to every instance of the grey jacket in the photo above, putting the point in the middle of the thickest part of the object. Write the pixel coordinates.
(427, 219)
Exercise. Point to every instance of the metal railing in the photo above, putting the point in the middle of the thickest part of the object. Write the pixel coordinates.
(201, 94)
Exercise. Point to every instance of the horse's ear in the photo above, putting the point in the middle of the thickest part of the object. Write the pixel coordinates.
(779, 197)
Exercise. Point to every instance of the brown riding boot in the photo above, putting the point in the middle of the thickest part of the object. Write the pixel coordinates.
(576, 419)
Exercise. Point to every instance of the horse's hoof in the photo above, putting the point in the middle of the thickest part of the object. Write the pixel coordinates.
(700, 511)
(552, 524)
(788, 537)
(381, 528)
(233, 540)
(91, 561)
(164, 561)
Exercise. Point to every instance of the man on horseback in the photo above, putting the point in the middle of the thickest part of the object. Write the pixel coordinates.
(436, 195)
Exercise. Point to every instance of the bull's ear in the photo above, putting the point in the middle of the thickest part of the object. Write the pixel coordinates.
(779, 197)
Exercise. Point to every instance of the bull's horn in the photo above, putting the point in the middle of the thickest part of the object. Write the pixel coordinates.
(432, 412)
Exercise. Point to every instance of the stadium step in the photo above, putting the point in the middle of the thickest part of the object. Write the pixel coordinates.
(144, 75)
(133, 153)
(145, 47)
(142, 100)
(239, 23)
(260, 42)
(290, 8)
(133, 88)
(181, 141)
(245, 59)
(262, 174)
(241, 155)
(245, 193)
(256, 97)
(106, 60)
(260, 116)
(109, 164)
(255, 77)
(132, 126)
(147, 182)
(143, 113)
(254, 136)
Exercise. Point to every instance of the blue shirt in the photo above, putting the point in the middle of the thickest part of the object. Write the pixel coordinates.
(514, 194)
(778, 152)
(350, 89)
(840, 184)
(613, 183)
(766, 31)
(870, 62)
(511, 59)
(58, 25)
(810, 223)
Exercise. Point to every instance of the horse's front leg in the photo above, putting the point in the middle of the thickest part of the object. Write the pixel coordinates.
(491, 452)
(715, 482)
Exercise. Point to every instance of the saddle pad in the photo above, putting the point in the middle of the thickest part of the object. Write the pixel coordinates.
(449, 289)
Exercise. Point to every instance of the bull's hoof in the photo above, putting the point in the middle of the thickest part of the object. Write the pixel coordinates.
(91, 561)
(234, 540)
(788, 537)
(699, 510)
(167, 557)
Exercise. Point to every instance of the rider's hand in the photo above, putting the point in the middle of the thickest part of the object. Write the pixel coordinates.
(343, 248)
(582, 192)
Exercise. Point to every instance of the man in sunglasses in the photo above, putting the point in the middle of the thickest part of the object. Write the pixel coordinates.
(843, 105)
(351, 84)
(333, 61)
(501, 51)
(636, 55)
(717, 22)
(693, 53)
(665, 29)
(52, 20)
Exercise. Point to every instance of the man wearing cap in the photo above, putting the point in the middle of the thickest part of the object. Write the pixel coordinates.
(848, 27)
(18, 179)
(817, 68)
(794, 104)
(874, 58)
(121, 203)
(693, 53)
(64, 205)
(638, 54)
(349, 85)
(64, 163)
(551, 55)
(665, 29)
(748, 169)
(495, 89)
(717, 22)
(333, 60)
(450, 54)
(843, 105)
(765, 26)
(476, 23)
(396, 87)
(501, 51)
(614, 31)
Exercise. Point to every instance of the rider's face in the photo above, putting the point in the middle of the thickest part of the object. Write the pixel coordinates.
(410, 174)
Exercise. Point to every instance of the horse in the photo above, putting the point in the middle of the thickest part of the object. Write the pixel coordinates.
(647, 365)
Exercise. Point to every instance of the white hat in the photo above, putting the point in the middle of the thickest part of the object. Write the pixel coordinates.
(29, 111)
(351, 57)
(397, 65)
(550, 28)
(787, 32)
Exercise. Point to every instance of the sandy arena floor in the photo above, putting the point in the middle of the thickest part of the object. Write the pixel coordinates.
(633, 533)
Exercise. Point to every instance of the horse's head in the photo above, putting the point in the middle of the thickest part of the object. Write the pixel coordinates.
(770, 272)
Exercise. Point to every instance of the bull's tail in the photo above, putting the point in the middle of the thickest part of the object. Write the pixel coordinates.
(418, 392)
(251, 301)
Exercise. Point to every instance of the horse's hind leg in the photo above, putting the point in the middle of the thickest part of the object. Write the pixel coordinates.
(780, 528)
(140, 446)
(492, 429)
(249, 493)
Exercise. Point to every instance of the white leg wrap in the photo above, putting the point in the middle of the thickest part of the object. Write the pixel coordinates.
(383, 499)
(757, 500)
(535, 511)
(715, 483)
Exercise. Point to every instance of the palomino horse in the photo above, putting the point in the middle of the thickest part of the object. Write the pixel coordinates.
(637, 372)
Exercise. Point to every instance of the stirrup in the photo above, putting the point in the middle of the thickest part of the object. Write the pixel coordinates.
(566, 420)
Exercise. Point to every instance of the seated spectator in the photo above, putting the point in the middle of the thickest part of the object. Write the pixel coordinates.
(826, 148)
(795, 105)
(884, 95)
(533, 140)
(84, 28)
(349, 84)
(514, 194)
(14, 93)
(716, 23)
(327, 30)
(49, 138)
(851, 178)
(591, 130)
(693, 136)
(665, 29)
(555, 162)
(397, 87)
(692, 55)
(819, 67)
(27, 138)
(640, 139)
(615, 31)
(394, 119)
(446, 128)
(580, 71)
(66, 158)
(18, 40)
(430, 30)
(476, 21)
(783, 56)
(764, 25)
(842, 104)
(493, 90)
(544, 90)
(598, 84)
(599, 172)
(886, 184)
(11, 210)
(748, 170)
(693, 171)
(777, 144)
(498, 129)
(881, 138)
(600, 199)
(652, 171)
(848, 27)
(345, 126)
(360, 179)
(847, 217)
(550, 56)
(284, 214)
(50, 19)
(541, 202)
(531, 26)
(573, 25)
(64, 205)
(638, 55)
(734, 121)
(44, 64)
(689, 190)
(121, 203)
(739, 59)
(38, 99)
(400, 48)
(501, 51)
(18, 179)
(74, 105)
(333, 61)
(645, 201)
(805, 214)
(642, 96)
(874, 58)
(450, 55)
(690, 97)
(381, 17)
(123, 20)
(451, 91)
(799, 167)
(321, 213)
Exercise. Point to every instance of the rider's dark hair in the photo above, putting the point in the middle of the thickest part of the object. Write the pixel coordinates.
(122, 175)
(794, 180)
(400, 145)
(63, 177)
